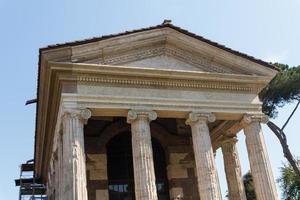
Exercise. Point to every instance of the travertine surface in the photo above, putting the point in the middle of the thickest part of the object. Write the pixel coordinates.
(102, 195)
(177, 171)
(74, 166)
(144, 175)
(205, 163)
(233, 171)
(164, 62)
(97, 166)
(217, 177)
(258, 157)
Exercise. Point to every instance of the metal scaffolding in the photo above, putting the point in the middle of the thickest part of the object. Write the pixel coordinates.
(30, 188)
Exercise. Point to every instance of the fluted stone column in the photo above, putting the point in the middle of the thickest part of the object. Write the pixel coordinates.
(217, 175)
(60, 165)
(263, 180)
(233, 171)
(74, 163)
(56, 172)
(144, 174)
(205, 163)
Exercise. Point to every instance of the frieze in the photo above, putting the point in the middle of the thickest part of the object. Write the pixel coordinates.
(166, 83)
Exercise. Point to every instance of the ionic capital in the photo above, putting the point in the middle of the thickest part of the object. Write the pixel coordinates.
(140, 114)
(250, 118)
(82, 114)
(195, 117)
(229, 140)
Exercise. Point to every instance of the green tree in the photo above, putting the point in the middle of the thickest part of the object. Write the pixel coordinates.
(283, 89)
(249, 187)
(289, 183)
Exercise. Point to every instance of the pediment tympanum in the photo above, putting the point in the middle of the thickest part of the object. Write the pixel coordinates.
(165, 62)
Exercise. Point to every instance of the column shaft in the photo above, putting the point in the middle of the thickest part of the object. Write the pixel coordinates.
(233, 170)
(56, 171)
(74, 163)
(205, 163)
(217, 176)
(60, 166)
(144, 174)
(259, 162)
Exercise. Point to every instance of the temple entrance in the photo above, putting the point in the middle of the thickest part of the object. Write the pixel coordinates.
(120, 169)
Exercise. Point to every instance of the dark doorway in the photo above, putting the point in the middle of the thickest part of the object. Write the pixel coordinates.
(120, 169)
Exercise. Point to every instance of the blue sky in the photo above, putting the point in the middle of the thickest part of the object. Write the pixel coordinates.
(265, 29)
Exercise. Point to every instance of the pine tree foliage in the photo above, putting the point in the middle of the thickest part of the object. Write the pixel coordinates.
(284, 88)
(289, 183)
(249, 186)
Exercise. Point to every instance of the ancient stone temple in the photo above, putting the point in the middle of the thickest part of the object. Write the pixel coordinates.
(140, 115)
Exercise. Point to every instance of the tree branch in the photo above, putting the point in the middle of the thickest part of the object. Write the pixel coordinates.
(285, 148)
(287, 121)
(282, 139)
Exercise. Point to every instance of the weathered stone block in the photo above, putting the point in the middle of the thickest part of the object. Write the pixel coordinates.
(177, 171)
(97, 166)
(175, 158)
(101, 194)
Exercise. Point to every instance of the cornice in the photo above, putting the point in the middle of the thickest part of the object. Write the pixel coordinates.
(85, 68)
(148, 77)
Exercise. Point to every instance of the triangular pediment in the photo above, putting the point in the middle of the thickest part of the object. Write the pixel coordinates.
(163, 55)
(165, 47)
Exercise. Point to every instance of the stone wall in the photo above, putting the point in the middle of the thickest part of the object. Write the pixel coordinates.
(180, 163)
(181, 173)
(97, 176)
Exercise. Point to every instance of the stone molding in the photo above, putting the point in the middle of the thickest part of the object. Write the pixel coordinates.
(194, 117)
(136, 114)
(132, 56)
(82, 114)
(195, 60)
(177, 83)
